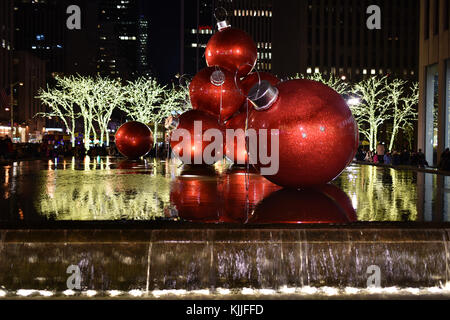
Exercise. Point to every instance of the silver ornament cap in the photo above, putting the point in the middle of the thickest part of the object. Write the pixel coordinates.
(263, 95)
(223, 25)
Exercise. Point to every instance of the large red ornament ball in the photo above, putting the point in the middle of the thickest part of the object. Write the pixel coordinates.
(221, 101)
(134, 140)
(253, 78)
(325, 204)
(237, 151)
(317, 133)
(232, 49)
(187, 121)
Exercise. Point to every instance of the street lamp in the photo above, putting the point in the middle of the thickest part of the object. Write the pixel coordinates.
(11, 88)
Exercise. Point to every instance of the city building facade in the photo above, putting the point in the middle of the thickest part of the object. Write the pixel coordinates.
(6, 50)
(123, 35)
(434, 79)
(30, 72)
(310, 36)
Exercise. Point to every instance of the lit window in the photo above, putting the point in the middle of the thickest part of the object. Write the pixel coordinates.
(316, 70)
(364, 71)
(309, 70)
(373, 71)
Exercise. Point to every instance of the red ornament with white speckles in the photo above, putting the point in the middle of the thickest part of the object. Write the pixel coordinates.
(134, 140)
(232, 49)
(187, 121)
(217, 96)
(317, 132)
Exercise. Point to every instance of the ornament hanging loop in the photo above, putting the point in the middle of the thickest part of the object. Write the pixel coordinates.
(221, 14)
(236, 78)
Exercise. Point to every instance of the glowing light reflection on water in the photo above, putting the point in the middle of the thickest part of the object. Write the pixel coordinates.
(116, 189)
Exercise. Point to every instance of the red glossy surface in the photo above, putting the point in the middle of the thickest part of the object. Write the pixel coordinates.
(237, 151)
(195, 196)
(220, 101)
(317, 133)
(325, 204)
(253, 78)
(134, 140)
(199, 195)
(237, 207)
(186, 121)
(232, 49)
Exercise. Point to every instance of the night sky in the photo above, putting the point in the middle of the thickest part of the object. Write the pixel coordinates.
(164, 38)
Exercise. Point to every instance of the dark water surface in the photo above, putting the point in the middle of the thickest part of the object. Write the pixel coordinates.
(111, 189)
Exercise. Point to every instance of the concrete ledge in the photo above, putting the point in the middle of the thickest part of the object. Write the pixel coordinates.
(198, 259)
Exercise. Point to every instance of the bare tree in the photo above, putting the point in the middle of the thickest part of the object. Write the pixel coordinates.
(402, 106)
(373, 110)
(109, 94)
(143, 96)
(61, 105)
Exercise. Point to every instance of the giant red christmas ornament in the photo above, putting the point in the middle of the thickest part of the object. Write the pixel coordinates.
(196, 144)
(214, 91)
(236, 151)
(134, 140)
(317, 132)
(232, 49)
(253, 78)
(326, 204)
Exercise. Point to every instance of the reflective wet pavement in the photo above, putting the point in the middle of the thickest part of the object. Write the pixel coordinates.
(112, 189)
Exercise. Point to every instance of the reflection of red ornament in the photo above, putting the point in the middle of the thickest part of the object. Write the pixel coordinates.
(186, 121)
(317, 132)
(234, 190)
(325, 204)
(196, 197)
(214, 91)
(134, 140)
(231, 49)
(253, 78)
(237, 151)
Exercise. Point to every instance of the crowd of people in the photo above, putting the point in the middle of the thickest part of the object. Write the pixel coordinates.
(16, 151)
(51, 150)
(405, 158)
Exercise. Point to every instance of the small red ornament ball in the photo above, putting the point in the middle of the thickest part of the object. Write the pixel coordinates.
(134, 140)
(187, 122)
(317, 133)
(236, 150)
(221, 101)
(253, 78)
(232, 49)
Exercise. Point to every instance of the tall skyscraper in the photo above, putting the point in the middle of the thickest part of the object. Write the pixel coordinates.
(40, 28)
(30, 71)
(123, 39)
(255, 17)
(198, 26)
(6, 49)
